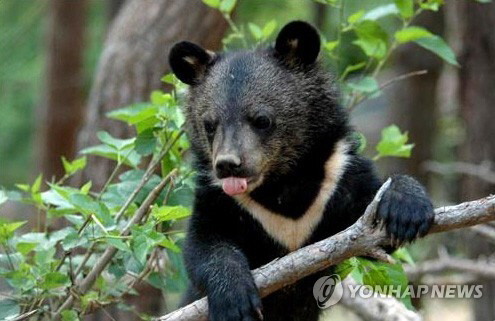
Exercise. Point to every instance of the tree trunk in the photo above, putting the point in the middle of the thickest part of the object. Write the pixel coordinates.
(135, 57)
(477, 108)
(414, 101)
(320, 12)
(64, 77)
(113, 8)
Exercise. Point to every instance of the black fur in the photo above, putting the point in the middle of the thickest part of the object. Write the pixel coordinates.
(224, 241)
(188, 71)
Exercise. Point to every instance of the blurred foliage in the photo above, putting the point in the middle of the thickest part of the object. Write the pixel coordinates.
(21, 63)
(22, 57)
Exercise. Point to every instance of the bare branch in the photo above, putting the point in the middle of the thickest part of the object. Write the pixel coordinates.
(485, 230)
(480, 268)
(482, 171)
(359, 99)
(360, 239)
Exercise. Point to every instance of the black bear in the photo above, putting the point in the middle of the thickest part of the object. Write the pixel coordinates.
(277, 169)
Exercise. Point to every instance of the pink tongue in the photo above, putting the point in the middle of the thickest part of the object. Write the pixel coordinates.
(234, 185)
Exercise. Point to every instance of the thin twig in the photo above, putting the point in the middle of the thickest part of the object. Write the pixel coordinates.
(386, 84)
(147, 175)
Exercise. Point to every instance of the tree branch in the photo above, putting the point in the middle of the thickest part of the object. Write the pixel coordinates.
(363, 238)
(376, 308)
(485, 230)
(85, 284)
(482, 171)
(480, 268)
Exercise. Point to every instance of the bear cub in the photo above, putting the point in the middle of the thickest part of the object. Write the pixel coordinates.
(277, 169)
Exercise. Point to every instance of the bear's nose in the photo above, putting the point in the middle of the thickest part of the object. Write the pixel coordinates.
(227, 165)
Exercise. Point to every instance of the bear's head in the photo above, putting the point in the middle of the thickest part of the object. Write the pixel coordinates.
(257, 115)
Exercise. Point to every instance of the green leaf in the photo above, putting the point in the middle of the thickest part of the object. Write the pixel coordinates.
(393, 143)
(438, 46)
(268, 29)
(9, 309)
(86, 205)
(406, 8)
(117, 143)
(37, 184)
(346, 267)
(159, 98)
(7, 230)
(212, 3)
(157, 280)
(168, 213)
(135, 114)
(86, 187)
(355, 17)
(352, 68)
(362, 142)
(483, 1)
(25, 247)
(146, 142)
(3, 197)
(255, 31)
(133, 159)
(366, 84)
(331, 45)
(169, 79)
(73, 240)
(379, 274)
(381, 11)
(23, 187)
(227, 6)
(69, 315)
(119, 244)
(329, 2)
(432, 5)
(54, 280)
(14, 195)
(411, 34)
(169, 244)
(117, 193)
(372, 39)
(141, 246)
(74, 166)
(403, 255)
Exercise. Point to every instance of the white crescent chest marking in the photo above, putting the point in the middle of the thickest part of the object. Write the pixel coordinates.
(292, 233)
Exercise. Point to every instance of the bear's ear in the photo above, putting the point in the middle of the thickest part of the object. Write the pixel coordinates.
(298, 43)
(189, 61)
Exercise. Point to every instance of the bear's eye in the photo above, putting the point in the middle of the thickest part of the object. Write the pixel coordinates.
(262, 122)
(210, 127)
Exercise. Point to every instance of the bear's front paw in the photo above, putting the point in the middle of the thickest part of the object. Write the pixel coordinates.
(405, 210)
(239, 301)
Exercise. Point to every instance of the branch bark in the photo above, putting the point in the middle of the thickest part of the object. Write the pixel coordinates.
(376, 308)
(480, 268)
(363, 238)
